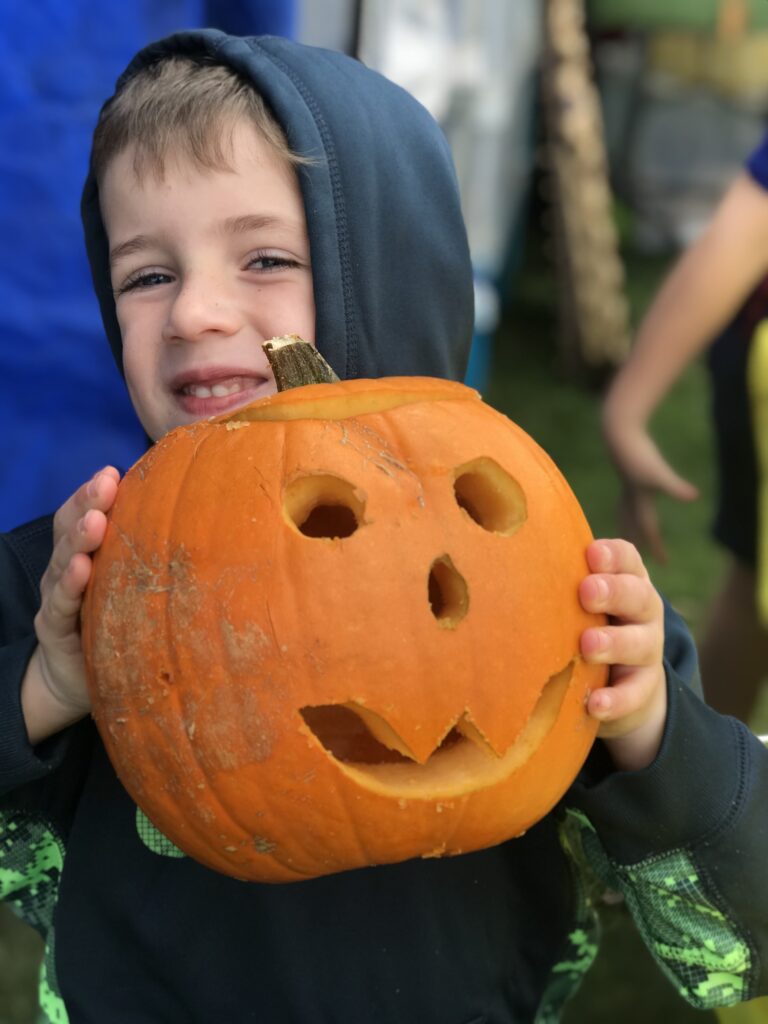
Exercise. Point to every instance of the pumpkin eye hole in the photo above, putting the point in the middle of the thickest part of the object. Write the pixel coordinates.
(323, 506)
(448, 593)
(490, 496)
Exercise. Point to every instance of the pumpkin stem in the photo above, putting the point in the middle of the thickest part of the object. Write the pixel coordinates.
(295, 362)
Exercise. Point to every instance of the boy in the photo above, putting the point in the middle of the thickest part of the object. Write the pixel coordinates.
(201, 212)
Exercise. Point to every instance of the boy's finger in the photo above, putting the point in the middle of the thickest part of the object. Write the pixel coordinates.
(83, 537)
(99, 492)
(58, 615)
(619, 700)
(617, 706)
(626, 596)
(615, 555)
(630, 644)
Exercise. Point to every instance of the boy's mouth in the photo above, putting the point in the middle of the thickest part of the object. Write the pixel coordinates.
(209, 393)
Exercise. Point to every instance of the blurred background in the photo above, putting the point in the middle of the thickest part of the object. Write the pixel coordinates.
(594, 140)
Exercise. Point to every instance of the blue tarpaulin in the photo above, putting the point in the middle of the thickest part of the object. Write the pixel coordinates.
(64, 412)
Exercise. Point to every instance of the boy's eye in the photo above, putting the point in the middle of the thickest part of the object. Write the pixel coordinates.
(144, 279)
(269, 261)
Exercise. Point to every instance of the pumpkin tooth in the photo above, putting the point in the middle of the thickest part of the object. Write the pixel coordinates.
(470, 731)
(382, 730)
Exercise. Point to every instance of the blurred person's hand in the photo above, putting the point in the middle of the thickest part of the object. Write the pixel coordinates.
(645, 474)
(702, 293)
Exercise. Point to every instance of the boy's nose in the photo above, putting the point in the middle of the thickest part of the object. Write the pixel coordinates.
(199, 310)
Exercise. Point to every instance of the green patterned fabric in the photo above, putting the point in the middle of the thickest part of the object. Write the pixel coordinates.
(584, 938)
(568, 974)
(693, 941)
(31, 860)
(52, 1007)
(154, 839)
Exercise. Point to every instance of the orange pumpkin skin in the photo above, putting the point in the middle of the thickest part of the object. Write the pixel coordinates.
(220, 640)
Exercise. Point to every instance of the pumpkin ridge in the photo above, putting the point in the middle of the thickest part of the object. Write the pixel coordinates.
(364, 854)
(247, 838)
(212, 795)
(397, 453)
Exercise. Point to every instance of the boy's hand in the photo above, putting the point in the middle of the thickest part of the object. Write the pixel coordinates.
(632, 709)
(54, 692)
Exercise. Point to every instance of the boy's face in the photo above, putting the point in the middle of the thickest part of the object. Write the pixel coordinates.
(206, 265)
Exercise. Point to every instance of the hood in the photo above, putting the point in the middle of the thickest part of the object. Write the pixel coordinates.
(390, 261)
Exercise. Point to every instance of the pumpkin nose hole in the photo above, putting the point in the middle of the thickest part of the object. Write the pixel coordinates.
(323, 507)
(490, 496)
(448, 593)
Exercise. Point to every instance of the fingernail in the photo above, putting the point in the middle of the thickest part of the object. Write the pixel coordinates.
(93, 484)
(601, 706)
(601, 590)
(603, 640)
(604, 555)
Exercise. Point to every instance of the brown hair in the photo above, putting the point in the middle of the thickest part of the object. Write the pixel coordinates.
(184, 106)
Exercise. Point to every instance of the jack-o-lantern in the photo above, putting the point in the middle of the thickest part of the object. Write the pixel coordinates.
(340, 627)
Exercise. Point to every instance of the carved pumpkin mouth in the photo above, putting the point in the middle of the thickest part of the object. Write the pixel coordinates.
(366, 748)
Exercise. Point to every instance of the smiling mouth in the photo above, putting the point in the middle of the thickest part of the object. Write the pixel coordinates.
(221, 388)
(366, 748)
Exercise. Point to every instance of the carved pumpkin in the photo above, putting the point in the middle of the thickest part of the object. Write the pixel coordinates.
(340, 627)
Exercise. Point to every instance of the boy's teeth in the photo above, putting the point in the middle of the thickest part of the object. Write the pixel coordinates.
(217, 391)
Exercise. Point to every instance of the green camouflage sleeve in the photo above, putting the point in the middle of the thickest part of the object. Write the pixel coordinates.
(691, 937)
(31, 861)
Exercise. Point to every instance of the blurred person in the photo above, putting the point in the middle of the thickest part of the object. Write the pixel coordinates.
(713, 298)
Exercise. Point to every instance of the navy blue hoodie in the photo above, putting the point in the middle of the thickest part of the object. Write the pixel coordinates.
(139, 934)
(390, 262)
